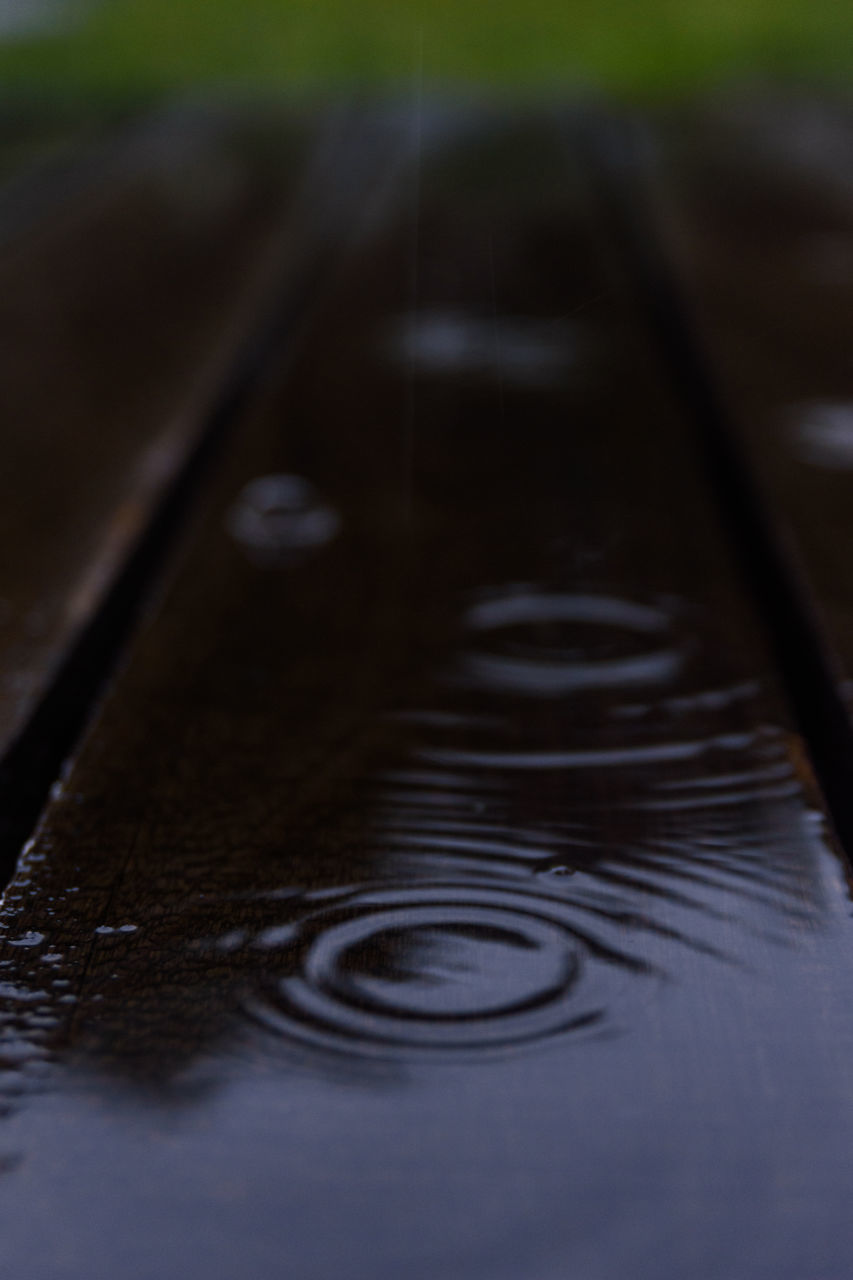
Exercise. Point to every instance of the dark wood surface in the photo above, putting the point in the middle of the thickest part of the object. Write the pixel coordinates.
(129, 274)
(755, 206)
(442, 888)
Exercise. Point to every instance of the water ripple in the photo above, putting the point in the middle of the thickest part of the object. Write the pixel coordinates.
(528, 856)
(444, 968)
(541, 653)
(609, 758)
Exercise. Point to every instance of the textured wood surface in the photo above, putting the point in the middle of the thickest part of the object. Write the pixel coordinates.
(756, 208)
(442, 887)
(123, 300)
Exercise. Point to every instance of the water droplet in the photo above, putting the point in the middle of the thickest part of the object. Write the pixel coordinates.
(277, 518)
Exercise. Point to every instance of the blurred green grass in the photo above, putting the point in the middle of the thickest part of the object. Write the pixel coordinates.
(141, 46)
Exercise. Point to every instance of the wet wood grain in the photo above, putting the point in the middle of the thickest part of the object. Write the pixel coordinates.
(755, 202)
(442, 888)
(125, 294)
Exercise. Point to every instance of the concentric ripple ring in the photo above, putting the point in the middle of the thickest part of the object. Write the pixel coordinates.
(448, 969)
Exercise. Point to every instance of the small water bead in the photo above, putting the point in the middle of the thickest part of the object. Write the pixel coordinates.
(277, 518)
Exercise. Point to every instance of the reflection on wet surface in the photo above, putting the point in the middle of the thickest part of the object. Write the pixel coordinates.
(449, 966)
(451, 899)
(823, 435)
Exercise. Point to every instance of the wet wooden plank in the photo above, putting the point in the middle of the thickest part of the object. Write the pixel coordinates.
(442, 888)
(129, 277)
(755, 203)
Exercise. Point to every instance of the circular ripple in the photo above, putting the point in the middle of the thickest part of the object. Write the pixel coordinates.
(440, 969)
(547, 644)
